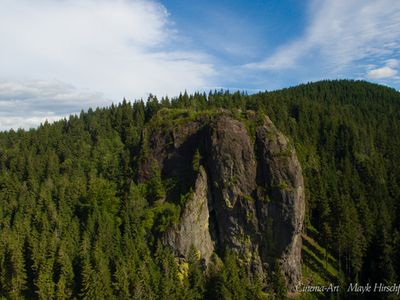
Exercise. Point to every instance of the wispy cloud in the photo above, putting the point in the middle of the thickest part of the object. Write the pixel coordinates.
(341, 34)
(104, 48)
(25, 104)
(383, 72)
(386, 71)
(60, 56)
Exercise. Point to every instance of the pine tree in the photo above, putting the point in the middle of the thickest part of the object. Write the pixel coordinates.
(195, 274)
(279, 281)
(15, 277)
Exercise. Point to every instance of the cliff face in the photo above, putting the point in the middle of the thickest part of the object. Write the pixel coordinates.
(246, 194)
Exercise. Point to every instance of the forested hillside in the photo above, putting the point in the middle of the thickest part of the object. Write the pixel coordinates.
(76, 222)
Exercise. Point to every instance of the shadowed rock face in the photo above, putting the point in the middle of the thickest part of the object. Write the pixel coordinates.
(248, 194)
(193, 228)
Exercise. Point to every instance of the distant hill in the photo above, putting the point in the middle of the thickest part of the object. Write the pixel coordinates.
(89, 210)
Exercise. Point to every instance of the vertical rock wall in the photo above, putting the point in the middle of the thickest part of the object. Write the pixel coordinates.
(248, 195)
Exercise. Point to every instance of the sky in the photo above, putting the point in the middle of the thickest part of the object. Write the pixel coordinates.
(58, 57)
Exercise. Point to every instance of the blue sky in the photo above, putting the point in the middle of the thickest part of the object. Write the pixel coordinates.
(60, 56)
(237, 33)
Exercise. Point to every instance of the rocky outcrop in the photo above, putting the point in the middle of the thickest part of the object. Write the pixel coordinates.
(280, 180)
(193, 228)
(247, 196)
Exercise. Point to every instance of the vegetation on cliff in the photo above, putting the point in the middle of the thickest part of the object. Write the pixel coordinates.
(76, 222)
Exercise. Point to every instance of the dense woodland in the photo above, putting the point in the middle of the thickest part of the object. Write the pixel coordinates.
(75, 223)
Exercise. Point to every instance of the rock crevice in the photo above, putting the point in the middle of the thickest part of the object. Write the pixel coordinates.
(248, 194)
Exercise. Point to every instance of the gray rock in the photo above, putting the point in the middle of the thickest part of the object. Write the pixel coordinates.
(193, 228)
(280, 175)
(248, 196)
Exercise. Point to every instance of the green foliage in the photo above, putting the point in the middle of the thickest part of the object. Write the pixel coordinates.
(196, 161)
(186, 197)
(230, 280)
(155, 188)
(248, 198)
(279, 281)
(165, 216)
(75, 223)
(196, 276)
(283, 185)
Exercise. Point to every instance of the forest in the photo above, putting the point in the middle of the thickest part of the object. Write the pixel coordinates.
(76, 223)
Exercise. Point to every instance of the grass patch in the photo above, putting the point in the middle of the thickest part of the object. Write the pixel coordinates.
(319, 267)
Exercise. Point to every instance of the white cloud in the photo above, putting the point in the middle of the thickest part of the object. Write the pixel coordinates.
(107, 48)
(383, 72)
(392, 63)
(339, 35)
(26, 104)
(9, 122)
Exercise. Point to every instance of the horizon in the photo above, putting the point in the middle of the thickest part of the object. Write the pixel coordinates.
(216, 90)
(52, 67)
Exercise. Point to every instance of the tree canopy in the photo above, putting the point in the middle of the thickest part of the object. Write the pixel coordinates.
(75, 223)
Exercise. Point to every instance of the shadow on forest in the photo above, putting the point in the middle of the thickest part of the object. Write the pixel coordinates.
(319, 252)
(315, 265)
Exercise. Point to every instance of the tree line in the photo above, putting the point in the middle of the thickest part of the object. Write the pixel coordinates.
(75, 223)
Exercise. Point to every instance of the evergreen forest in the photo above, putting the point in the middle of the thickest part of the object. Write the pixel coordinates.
(75, 223)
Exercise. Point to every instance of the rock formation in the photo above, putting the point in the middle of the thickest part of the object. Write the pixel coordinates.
(246, 196)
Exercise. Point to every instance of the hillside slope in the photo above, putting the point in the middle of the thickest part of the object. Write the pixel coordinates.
(79, 218)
